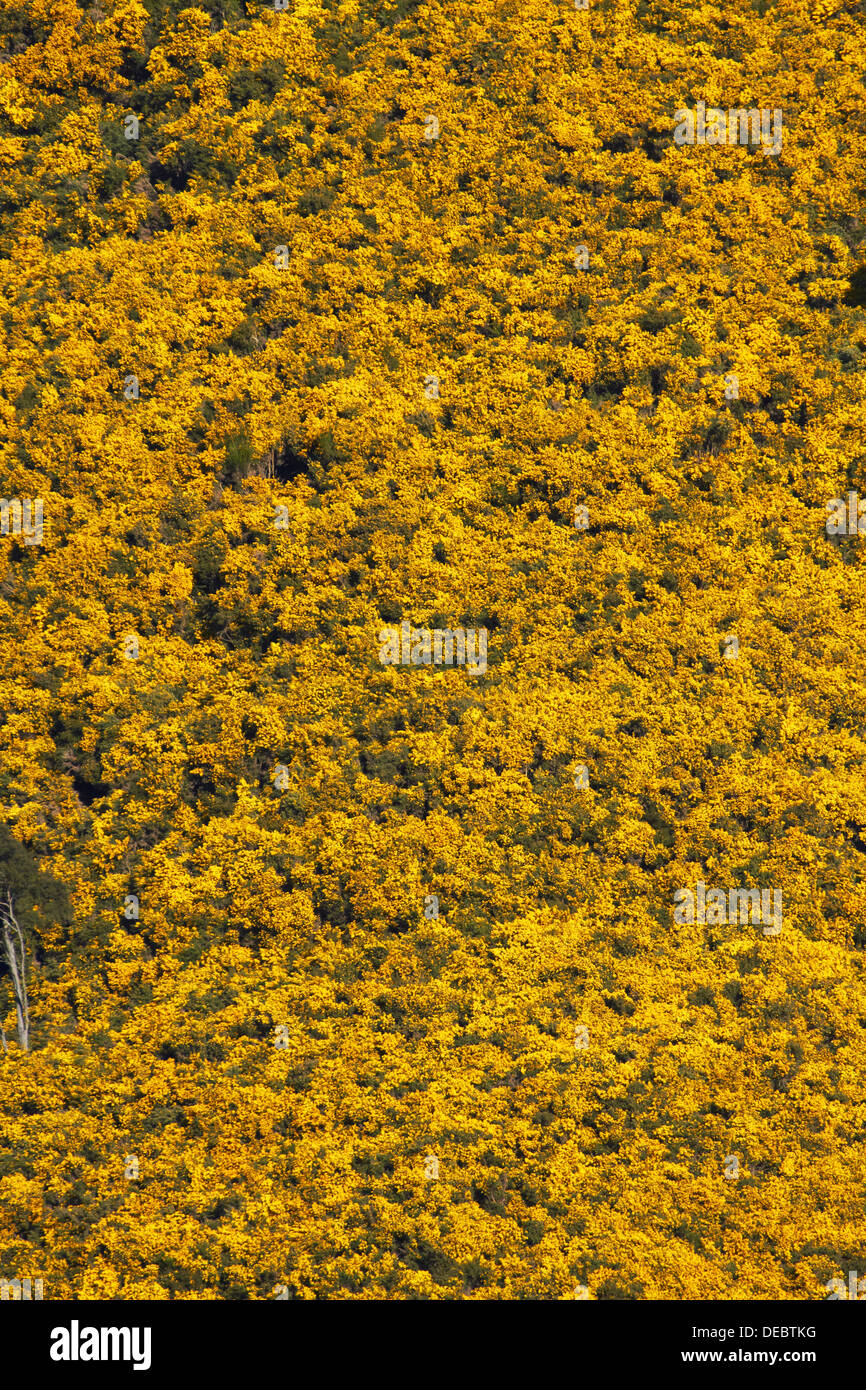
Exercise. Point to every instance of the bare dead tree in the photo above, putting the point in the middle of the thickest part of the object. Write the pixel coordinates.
(13, 948)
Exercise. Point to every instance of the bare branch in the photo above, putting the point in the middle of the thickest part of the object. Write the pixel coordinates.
(15, 956)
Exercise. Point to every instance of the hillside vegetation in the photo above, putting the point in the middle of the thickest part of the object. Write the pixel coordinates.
(313, 353)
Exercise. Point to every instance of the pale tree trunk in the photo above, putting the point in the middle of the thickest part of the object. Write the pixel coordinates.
(13, 945)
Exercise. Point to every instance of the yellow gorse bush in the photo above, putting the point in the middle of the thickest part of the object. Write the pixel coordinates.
(324, 320)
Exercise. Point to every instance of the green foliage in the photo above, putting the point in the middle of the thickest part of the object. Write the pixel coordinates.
(38, 896)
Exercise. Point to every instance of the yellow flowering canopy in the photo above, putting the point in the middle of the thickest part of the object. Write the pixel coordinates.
(432, 615)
